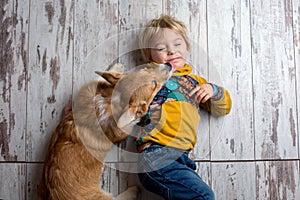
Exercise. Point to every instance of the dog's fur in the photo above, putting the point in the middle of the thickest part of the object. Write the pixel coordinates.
(101, 113)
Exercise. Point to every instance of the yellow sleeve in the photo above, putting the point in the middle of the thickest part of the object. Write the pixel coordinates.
(218, 105)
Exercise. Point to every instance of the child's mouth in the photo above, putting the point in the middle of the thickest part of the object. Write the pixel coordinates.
(172, 62)
(173, 59)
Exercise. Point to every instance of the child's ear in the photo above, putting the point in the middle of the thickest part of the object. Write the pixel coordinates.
(111, 77)
(131, 114)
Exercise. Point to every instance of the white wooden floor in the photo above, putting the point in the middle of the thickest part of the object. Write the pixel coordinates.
(252, 47)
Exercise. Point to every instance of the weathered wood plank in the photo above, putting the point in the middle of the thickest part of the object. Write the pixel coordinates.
(38, 78)
(296, 25)
(234, 180)
(205, 172)
(13, 79)
(96, 43)
(12, 181)
(133, 16)
(230, 66)
(96, 38)
(50, 71)
(193, 14)
(278, 180)
(96, 47)
(33, 177)
(274, 80)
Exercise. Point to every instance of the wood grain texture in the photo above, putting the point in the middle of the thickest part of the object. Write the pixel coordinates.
(49, 49)
(12, 181)
(33, 176)
(13, 79)
(239, 179)
(95, 37)
(273, 80)
(232, 136)
(133, 16)
(50, 71)
(296, 28)
(193, 14)
(277, 180)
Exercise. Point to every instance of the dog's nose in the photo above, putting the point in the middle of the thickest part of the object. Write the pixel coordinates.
(169, 65)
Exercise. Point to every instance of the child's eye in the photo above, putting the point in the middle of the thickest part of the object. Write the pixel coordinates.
(177, 44)
(161, 49)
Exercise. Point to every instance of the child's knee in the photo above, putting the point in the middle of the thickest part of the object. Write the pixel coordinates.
(208, 195)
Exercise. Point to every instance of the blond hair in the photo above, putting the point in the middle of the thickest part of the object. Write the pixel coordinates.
(154, 26)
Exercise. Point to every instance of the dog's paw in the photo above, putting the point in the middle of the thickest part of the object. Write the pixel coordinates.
(118, 67)
(130, 194)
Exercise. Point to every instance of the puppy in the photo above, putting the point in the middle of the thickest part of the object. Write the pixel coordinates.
(103, 113)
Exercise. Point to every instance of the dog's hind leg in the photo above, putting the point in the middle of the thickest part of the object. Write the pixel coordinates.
(129, 194)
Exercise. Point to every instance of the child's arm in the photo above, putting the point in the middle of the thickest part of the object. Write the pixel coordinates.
(213, 98)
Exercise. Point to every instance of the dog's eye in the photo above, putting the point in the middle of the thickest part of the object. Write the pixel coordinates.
(154, 84)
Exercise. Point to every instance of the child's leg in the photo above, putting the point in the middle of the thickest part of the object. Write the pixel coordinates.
(178, 180)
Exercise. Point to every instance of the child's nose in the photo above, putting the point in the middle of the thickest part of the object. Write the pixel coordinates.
(171, 51)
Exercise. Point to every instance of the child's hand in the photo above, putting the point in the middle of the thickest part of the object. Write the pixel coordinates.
(202, 92)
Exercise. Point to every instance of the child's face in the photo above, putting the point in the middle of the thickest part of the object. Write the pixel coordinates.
(169, 47)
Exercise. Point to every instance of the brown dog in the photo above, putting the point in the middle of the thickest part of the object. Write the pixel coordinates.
(102, 111)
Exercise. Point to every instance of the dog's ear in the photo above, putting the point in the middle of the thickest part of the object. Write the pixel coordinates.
(111, 77)
(132, 113)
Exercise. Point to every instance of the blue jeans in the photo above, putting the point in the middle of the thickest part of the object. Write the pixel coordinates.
(170, 173)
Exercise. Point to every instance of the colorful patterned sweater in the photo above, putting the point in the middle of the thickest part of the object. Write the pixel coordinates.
(173, 116)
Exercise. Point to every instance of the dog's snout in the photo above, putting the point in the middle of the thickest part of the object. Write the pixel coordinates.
(169, 66)
(165, 67)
